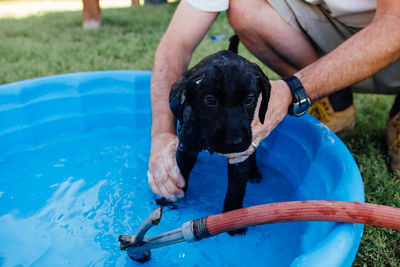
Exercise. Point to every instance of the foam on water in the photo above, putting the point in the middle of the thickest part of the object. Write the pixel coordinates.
(67, 202)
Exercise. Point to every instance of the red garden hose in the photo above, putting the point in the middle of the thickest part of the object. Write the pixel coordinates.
(138, 247)
(318, 210)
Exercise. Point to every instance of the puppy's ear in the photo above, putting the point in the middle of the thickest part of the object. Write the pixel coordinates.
(265, 88)
(178, 96)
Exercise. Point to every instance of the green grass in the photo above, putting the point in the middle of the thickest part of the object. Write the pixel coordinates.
(55, 43)
(379, 246)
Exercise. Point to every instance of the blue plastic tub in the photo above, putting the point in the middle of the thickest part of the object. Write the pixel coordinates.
(73, 163)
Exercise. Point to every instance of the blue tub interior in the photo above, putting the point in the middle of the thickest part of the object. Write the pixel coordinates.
(73, 163)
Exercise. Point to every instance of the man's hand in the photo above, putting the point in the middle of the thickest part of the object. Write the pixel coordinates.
(164, 176)
(278, 106)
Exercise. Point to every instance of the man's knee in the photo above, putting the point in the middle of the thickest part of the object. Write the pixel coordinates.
(241, 12)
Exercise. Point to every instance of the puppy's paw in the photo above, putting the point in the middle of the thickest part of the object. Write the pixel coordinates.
(255, 176)
(240, 231)
(166, 203)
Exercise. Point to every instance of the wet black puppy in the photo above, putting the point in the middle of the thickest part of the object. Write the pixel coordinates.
(215, 102)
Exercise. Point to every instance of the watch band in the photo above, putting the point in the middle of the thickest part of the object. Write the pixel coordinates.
(301, 102)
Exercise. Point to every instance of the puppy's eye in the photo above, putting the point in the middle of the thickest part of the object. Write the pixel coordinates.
(210, 100)
(249, 99)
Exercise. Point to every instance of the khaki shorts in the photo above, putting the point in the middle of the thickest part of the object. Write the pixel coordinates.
(326, 33)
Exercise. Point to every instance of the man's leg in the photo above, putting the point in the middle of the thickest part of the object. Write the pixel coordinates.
(269, 37)
(388, 81)
(274, 36)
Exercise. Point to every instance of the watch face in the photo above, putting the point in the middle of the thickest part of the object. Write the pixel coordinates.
(300, 108)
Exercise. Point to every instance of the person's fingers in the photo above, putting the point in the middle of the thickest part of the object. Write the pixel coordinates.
(173, 189)
(241, 156)
(256, 120)
(167, 185)
(177, 176)
(160, 178)
(164, 185)
(238, 160)
(227, 155)
(152, 184)
(166, 193)
(172, 169)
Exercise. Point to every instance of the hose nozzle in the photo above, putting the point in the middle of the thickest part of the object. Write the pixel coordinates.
(138, 247)
(138, 240)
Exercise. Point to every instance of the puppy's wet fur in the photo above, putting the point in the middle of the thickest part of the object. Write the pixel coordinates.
(214, 103)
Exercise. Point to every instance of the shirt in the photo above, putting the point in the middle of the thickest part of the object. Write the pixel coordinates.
(356, 13)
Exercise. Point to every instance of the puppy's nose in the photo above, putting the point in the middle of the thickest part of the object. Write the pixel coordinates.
(234, 140)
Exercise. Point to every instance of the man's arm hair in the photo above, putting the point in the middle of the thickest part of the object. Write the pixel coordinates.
(187, 28)
(362, 55)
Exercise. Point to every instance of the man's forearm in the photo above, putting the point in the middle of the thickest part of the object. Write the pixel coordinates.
(187, 28)
(359, 57)
(166, 70)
